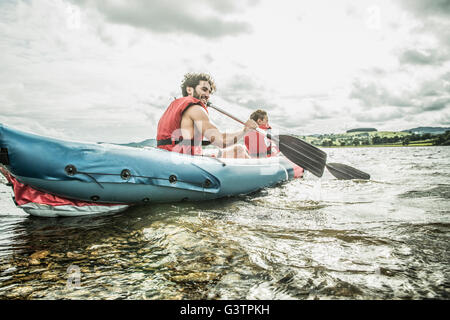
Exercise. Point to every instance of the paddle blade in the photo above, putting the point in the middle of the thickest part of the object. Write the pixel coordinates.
(303, 154)
(345, 172)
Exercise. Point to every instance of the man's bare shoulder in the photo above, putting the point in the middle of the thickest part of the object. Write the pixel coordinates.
(196, 112)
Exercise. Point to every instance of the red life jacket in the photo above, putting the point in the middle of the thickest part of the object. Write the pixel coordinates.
(258, 148)
(169, 134)
(257, 144)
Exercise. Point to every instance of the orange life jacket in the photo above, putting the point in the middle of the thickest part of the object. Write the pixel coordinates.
(169, 134)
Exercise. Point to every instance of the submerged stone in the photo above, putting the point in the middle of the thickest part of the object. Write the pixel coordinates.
(196, 277)
(40, 254)
(48, 275)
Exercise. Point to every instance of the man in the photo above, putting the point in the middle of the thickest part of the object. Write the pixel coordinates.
(257, 144)
(186, 121)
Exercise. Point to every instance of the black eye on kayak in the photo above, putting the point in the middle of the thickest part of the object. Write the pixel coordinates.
(125, 174)
(70, 170)
(173, 179)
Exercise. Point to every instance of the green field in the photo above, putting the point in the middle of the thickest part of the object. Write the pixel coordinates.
(367, 139)
(423, 144)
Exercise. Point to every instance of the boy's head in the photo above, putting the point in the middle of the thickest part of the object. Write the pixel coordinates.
(260, 117)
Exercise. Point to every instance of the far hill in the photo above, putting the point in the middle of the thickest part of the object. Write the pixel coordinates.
(362, 130)
(432, 130)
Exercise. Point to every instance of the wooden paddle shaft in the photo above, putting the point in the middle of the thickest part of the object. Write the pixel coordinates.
(268, 135)
(225, 113)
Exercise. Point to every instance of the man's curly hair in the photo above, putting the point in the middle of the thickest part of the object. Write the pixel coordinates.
(193, 79)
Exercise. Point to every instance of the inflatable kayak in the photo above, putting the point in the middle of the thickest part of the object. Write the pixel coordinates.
(53, 177)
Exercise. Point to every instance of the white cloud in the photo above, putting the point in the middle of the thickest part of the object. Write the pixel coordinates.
(106, 70)
(204, 18)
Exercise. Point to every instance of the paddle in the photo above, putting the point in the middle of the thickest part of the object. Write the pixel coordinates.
(299, 152)
(345, 172)
(305, 155)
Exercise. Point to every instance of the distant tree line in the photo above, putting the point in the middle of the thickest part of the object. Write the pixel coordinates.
(386, 140)
(438, 140)
(330, 140)
(443, 139)
(362, 130)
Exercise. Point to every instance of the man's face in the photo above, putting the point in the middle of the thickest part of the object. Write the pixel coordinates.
(201, 91)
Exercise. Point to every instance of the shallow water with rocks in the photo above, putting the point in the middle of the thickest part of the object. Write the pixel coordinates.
(315, 238)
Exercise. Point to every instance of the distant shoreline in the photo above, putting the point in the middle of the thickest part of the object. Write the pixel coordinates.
(383, 146)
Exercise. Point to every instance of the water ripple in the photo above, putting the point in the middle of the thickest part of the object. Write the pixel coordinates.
(387, 238)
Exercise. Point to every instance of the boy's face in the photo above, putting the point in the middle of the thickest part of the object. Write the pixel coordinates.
(264, 121)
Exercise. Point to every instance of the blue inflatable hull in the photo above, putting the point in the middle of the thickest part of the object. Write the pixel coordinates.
(106, 173)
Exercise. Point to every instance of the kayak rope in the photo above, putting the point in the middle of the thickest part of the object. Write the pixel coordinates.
(126, 175)
(85, 173)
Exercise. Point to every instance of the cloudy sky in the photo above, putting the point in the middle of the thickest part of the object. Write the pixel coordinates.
(105, 70)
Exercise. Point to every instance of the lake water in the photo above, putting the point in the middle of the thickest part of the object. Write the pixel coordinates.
(387, 238)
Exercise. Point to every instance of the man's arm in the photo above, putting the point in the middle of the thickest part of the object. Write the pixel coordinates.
(201, 121)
